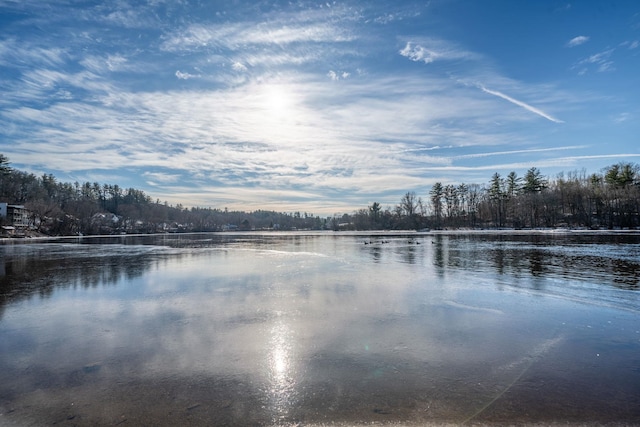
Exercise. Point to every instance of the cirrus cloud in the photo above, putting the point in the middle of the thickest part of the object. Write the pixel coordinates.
(577, 41)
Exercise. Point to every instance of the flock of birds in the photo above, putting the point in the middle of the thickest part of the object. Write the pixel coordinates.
(382, 242)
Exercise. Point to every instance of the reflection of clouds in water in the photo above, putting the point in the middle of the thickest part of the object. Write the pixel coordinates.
(208, 313)
(293, 330)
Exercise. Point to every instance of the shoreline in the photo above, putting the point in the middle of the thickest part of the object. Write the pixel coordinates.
(458, 231)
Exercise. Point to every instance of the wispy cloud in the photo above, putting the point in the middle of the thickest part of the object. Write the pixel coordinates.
(577, 41)
(601, 59)
(155, 178)
(130, 17)
(185, 75)
(338, 75)
(511, 152)
(109, 63)
(232, 137)
(521, 104)
(622, 117)
(14, 52)
(601, 156)
(431, 50)
(239, 35)
(239, 66)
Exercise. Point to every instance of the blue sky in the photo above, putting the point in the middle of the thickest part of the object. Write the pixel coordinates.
(323, 107)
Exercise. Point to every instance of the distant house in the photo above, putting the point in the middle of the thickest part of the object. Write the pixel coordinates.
(105, 222)
(8, 230)
(16, 215)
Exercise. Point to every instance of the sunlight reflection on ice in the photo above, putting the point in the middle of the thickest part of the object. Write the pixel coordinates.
(281, 373)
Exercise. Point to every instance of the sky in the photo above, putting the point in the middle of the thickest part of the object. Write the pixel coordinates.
(321, 107)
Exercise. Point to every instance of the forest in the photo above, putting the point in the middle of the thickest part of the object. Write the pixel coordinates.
(609, 199)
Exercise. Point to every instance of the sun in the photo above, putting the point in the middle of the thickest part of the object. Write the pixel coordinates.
(277, 101)
(278, 109)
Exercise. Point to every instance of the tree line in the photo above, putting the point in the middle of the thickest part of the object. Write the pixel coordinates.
(606, 200)
(610, 199)
(89, 208)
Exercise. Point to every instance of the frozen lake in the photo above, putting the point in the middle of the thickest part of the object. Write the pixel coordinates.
(321, 328)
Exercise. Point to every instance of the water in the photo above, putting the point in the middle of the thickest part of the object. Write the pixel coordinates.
(321, 329)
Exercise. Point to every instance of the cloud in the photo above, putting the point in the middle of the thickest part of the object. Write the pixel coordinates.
(399, 12)
(431, 50)
(554, 162)
(577, 41)
(321, 140)
(340, 75)
(185, 76)
(14, 52)
(622, 117)
(602, 60)
(521, 104)
(130, 18)
(601, 156)
(115, 62)
(262, 45)
(239, 66)
(163, 177)
(511, 152)
(235, 36)
(234, 133)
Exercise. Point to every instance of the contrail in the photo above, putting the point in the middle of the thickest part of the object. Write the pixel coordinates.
(521, 104)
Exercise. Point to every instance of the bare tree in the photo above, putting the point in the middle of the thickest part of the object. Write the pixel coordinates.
(436, 193)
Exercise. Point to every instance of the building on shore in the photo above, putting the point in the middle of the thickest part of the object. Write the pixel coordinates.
(16, 218)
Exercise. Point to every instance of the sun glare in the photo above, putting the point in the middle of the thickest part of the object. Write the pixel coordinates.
(278, 101)
(281, 370)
